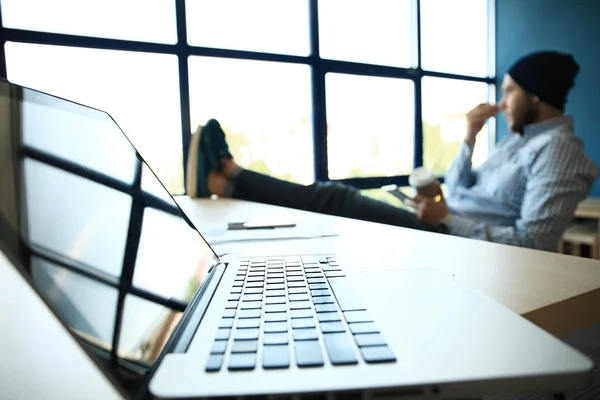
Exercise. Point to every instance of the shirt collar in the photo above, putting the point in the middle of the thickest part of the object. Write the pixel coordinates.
(549, 125)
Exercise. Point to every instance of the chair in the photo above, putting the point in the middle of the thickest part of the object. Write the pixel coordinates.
(580, 234)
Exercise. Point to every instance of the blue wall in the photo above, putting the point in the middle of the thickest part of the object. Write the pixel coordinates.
(523, 26)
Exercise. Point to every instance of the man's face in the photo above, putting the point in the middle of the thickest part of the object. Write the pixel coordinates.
(519, 107)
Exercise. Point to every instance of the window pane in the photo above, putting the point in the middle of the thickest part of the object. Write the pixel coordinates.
(94, 218)
(88, 307)
(263, 107)
(270, 26)
(172, 260)
(454, 36)
(445, 104)
(146, 328)
(370, 126)
(373, 32)
(154, 19)
(139, 90)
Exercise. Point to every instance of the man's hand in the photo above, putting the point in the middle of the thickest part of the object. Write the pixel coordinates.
(476, 119)
(430, 210)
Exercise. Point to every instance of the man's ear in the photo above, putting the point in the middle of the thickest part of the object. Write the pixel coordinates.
(535, 99)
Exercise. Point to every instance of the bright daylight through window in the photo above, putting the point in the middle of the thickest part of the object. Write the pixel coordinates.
(347, 112)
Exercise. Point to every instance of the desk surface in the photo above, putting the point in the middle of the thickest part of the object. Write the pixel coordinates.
(558, 292)
(589, 208)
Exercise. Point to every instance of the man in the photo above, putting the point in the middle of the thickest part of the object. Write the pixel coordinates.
(525, 194)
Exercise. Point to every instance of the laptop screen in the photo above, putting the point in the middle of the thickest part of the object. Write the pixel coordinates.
(93, 229)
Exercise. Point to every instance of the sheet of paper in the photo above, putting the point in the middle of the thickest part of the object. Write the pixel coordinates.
(218, 233)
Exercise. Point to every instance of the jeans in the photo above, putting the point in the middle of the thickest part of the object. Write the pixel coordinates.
(330, 198)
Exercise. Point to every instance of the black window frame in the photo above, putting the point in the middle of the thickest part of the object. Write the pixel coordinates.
(319, 68)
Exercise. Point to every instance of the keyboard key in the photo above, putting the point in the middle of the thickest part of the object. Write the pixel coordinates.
(363, 327)
(256, 274)
(329, 317)
(369, 339)
(255, 279)
(233, 297)
(275, 280)
(305, 334)
(308, 353)
(316, 280)
(244, 346)
(246, 334)
(299, 297)
(313, 275)
(345, 294)
(274, 275)
(296, 281)
(274, 327)
(301, 313)
(300, 323)
(297, 290)
(249, 314)
(270, 308)
(238, 284)
(248, 323)
(378, 354)
(255, 284)
(275, 300)
(276, 356)
(293, 268)
(340, 348)
(323, 308)
(228, 313)
(276, 317)
(222, 334)
(214, 363)
(276, 293)
(231, 304)
(319, 293)
(226, 323)
(275, 338)
(252, 297)
(276, 286)
(331, 268)
(357, 316)
(310, 259)
(251, 305)
(297, 284)
(334, 274)
(242, 361)
(316, 286)
(294, 273)
(236, 290)
(323, 300)
(253, 291)
(219, 347)
(332, 327)
(299, 305)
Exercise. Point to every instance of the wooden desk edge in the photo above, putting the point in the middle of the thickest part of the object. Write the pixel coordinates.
(568, 316)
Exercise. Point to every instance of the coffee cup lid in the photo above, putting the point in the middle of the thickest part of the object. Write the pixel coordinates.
(421, 177)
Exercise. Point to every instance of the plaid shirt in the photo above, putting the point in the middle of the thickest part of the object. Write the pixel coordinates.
(525, 194)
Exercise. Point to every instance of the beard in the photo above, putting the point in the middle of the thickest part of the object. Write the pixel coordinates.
(528, 117)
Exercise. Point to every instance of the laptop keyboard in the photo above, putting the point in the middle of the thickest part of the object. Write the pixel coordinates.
(303, 306)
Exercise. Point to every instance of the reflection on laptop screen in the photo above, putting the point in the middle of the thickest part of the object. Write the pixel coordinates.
(93, 229)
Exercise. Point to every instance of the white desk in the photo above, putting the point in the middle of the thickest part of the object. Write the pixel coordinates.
(559, 293)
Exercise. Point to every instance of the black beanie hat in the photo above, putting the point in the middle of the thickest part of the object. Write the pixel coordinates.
(546, 74)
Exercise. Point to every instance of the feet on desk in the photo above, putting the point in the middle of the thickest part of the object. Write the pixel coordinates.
(215, 162)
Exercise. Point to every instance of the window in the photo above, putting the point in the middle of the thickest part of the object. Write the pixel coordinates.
(378, 139)
(304, 89)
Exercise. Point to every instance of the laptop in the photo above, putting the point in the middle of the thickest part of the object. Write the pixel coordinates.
(95, 233)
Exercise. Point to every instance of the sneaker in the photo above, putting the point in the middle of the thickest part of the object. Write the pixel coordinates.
(214, 145)
(203, 167)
